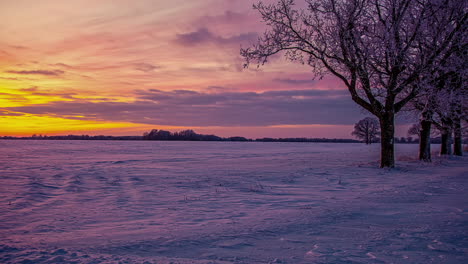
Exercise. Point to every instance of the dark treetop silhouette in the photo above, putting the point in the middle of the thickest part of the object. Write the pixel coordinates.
(367, 129)
(185, 135)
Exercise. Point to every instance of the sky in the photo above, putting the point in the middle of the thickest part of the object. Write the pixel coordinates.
(123, 67)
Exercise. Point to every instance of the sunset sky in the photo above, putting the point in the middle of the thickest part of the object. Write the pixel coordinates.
(122, 67)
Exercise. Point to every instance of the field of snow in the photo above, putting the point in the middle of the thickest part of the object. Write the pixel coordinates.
(222, 202)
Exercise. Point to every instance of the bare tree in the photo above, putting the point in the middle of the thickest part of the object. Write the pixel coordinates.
(377, 48)
(414, 130)
(449, 112)
(367, 129)
(460, 106)
(442, 99)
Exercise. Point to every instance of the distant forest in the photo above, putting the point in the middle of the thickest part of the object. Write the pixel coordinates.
(185, 135)
(190, 135)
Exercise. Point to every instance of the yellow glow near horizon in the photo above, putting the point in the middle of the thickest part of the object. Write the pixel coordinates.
(26, 125)
(110, 59)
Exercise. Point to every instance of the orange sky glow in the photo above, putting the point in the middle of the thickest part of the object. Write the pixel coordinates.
(124, 67)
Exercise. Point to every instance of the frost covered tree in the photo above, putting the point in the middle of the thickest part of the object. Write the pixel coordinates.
(457, 99)
(449, 112)
(442, 98)
(435, 109)
(414, 130)
(444, 104)
(367, 129)
(377, 48)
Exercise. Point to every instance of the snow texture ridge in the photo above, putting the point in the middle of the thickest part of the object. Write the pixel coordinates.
(226, 202)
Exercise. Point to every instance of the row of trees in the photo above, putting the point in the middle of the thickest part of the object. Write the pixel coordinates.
(190, 135)
(368, 131)
(440, 135)
(390, 54)
(186, 135)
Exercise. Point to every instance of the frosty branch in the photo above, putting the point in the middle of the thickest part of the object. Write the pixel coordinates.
(378, 49)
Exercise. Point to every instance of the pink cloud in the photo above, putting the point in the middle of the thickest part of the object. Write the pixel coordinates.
(38, 72)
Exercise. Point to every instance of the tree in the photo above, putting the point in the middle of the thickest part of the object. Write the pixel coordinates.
(367, 129)
(442, 100)
(448, 116)
(414, 130)
(187, 135)
(378, 49)
(444, 105)
(459, 110)
(155, 134)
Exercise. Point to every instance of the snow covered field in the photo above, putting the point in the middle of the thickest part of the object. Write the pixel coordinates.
(222, 202)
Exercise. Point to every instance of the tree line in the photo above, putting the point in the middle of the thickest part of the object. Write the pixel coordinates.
(190, 135)
(184, 135)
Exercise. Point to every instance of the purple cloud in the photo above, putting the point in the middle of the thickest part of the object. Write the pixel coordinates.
(18, 47)
(7, 113)
(295, 81)
(34, 90)
(203, 36)
(39, 72)
(228, 17)
(9, 79)
(30, 89)
(62, 65)
(145, 67)
(190, 108)
(308, 93)
(219, 89)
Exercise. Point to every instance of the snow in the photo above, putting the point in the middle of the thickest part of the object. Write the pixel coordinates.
(228, 202)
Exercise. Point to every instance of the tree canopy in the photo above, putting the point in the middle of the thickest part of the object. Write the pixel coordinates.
(377, 48)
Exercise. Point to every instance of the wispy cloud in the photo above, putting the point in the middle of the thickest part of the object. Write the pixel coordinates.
(91, 61)
(145, 67)
(62, 65)
(203, 36)
(30, 89)
(10, 78)
(295, 81)
(228, 17)
(38, 72)
(8, 113)
(192, 108)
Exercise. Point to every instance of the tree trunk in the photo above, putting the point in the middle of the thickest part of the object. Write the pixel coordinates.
(457, 144)
(425, 140)
(387, 151)
(445, 147)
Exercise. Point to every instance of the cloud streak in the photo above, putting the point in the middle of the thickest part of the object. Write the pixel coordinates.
(38, 72)
(204, 36)
(89, 65)
(191, 108)
(8, 113)
(295, 81)
(145, 67)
